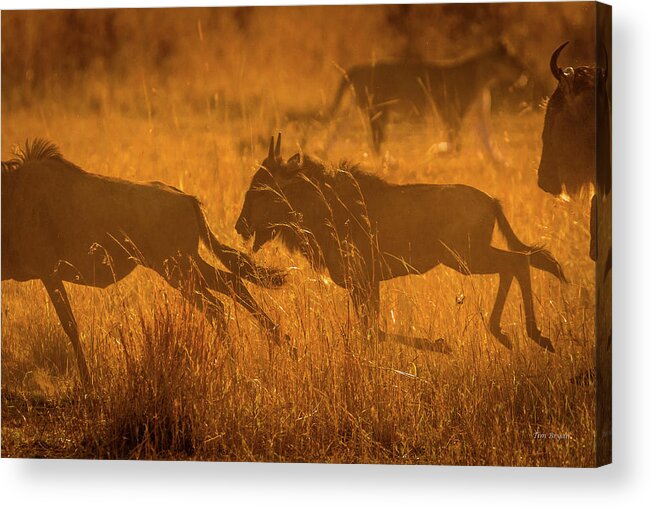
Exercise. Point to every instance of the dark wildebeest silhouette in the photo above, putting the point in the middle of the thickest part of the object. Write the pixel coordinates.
(63, 224)
(576, 154)
(576, 137)
(365, 230)
(409, 87)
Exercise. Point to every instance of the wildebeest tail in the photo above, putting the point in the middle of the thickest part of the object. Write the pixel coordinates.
(237, 262)
(539, 257)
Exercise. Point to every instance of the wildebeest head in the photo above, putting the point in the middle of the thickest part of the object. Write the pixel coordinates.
(570, 130)
(266, 210)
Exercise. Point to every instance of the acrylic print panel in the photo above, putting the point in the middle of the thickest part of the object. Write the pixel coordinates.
(375, 234)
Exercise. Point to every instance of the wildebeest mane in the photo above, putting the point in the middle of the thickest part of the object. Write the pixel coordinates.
(9, 166)
(38, 149)
(361, 175)
(318, 170)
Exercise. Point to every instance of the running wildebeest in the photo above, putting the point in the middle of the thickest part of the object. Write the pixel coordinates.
(451, 88)
(63, 224)
(576, 137)
(364, 230)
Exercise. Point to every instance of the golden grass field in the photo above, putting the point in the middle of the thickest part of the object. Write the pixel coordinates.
(167, 387)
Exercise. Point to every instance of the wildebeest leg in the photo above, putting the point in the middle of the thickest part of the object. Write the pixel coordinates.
(515, 263)
(378, 120)
(366, 302)
(454, 145)
(59, 297)
(181, 274)
(484, 129)
(523, 276)
(498, 307)
(485, 260)
(230, 285)
(453, 140)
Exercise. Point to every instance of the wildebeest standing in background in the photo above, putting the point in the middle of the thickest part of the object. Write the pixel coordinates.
(451, 88)
(576, 154)
(576, 138)
(365, 230)
(61, 223)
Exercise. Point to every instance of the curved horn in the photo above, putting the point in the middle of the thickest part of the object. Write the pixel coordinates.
(270, 155)
(277, 153)
(553, 65)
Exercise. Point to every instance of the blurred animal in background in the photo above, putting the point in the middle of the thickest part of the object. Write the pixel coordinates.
(576, 139)
(418, 88)
(364, 230)
(63, 224)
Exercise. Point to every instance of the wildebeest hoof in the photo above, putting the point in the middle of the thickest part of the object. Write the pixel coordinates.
(545, 343)
(502, 338)
(441, 346)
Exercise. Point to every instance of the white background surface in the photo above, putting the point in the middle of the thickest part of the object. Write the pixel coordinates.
(626, 482)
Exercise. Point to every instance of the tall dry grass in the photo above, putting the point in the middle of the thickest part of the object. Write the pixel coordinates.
(168, 386)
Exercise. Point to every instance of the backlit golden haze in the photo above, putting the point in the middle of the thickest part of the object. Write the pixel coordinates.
(190, 97)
